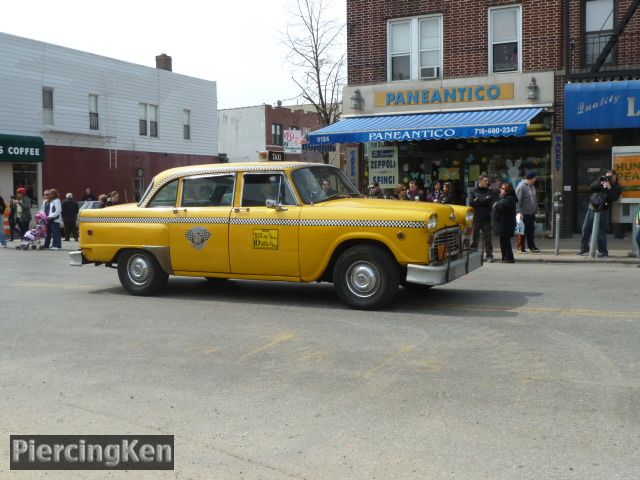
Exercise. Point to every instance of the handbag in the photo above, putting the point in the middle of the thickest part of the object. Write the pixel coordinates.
(598, 200)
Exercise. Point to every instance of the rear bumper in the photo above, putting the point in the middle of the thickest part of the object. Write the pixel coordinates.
(441, 274)
(76, 259)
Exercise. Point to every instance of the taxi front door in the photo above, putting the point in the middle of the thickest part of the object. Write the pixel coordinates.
(264, 240)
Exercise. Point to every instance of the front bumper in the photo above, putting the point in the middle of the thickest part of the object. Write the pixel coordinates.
(441, 274)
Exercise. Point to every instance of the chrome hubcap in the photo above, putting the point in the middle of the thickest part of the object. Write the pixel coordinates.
(363, 279)
(139, 269)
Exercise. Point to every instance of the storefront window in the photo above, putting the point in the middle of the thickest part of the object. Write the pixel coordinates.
(462, 162)
(26, 175)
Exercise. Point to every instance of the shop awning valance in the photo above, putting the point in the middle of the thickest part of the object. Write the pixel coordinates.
(427, 126)
(21, 149)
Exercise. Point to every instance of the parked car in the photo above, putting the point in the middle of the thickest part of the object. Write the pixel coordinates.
(296, 222)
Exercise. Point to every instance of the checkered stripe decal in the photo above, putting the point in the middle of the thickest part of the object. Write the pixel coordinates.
(153, 220)
(362, 223)
(260, 221)
(265, 221)
(224, 168)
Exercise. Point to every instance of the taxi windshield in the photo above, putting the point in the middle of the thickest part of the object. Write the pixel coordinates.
(319, 184)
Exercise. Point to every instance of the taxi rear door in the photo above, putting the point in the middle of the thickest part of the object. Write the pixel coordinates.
(200, 226)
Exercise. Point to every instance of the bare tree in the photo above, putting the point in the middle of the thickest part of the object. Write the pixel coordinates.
(317, 57)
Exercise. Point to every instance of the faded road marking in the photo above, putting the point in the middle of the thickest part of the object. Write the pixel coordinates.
(404, 349)
(430, 366)
(282, 337)
(66, 286)
(581, 312)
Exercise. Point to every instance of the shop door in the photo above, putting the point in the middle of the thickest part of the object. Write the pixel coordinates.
(26, 175)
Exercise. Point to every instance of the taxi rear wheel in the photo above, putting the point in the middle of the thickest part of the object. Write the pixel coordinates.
(140, 273)
(366, 277)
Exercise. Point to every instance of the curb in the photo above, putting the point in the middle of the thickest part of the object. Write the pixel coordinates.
(574, 259)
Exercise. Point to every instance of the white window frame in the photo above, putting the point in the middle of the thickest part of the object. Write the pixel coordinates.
(519, 33)
(148, 109)
(186, 124)
(414, 53)
(47, 112)
(95, 112)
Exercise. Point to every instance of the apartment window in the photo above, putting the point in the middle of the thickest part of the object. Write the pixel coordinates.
(415, 48)
(505, 39)
(186, 124)
(148, 120)
(599, 22)
(142, 122)
(153, 120)
(276, 134)
(47, 105)
(93, 112)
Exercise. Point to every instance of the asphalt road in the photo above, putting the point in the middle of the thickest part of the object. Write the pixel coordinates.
(525, 371)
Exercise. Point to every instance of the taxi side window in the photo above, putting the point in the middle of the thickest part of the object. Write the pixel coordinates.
(216, 191)
(166, 196)
(260, 187)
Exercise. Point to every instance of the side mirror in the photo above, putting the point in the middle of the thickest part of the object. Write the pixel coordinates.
(275, 205)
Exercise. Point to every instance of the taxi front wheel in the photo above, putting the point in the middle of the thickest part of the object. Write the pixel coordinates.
(366, 277)
(140, 273)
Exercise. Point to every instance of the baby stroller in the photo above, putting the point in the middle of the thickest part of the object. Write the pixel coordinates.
(32, 237)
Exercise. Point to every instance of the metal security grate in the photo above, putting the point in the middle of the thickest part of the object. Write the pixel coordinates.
(451, 238)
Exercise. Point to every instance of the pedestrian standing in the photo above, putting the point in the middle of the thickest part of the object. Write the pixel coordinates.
(88, 195)
(114, 199)
(528, 207)
(415, 192)
(448, 194)
(606, 190)
(482, 199)
(504, 220)
(3, 207)
(638, 225)
(55, 212)
(436, 194)
(69, 217)
(23, 210)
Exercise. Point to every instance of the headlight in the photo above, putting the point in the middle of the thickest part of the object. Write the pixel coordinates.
(432, 221)
(469, 217)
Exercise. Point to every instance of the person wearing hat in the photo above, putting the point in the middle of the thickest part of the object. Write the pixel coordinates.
(23, 210)
(528, 207)
(69, 217)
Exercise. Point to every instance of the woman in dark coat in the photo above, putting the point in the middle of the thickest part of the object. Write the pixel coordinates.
(503, 217)
(448, 194)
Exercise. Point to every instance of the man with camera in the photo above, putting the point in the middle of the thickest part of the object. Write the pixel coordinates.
(606, 190)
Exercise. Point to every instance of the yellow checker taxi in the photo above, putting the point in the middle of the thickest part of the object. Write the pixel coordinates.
(295, 222)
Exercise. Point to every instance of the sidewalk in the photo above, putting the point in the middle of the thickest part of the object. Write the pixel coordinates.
(618, 251)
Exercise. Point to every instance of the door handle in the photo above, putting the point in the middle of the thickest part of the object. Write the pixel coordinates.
(240, 209)
(176, 210)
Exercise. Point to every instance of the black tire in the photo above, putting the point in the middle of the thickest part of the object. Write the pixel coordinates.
(140, 273)
(366, 277)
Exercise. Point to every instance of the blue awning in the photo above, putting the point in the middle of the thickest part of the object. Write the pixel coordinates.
(427, 126)
(602, 105)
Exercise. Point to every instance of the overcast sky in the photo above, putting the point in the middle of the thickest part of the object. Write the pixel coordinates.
(234, 42)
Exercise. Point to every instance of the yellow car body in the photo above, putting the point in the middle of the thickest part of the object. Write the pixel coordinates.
(284, 221)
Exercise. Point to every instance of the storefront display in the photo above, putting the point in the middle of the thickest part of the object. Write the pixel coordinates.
(463, 162)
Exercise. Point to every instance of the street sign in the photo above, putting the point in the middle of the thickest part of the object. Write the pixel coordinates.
(292, 140)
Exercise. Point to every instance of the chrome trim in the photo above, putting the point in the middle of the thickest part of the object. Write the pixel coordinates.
(441, 274)
(76, 258)
(163, 256)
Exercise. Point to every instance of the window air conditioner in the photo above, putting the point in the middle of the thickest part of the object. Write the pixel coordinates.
(429, 72)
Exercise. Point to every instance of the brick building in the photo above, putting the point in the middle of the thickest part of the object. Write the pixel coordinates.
(249, 134)
(448, 90)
